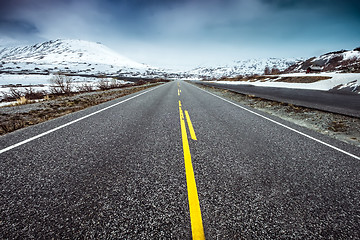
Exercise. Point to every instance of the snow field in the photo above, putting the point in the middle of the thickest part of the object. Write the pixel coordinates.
(343, 79)
(42, 83)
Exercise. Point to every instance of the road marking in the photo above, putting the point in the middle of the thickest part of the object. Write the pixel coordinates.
(178, 92)
(283, 125)
(194, 205)
(192, 132)
(69, 123)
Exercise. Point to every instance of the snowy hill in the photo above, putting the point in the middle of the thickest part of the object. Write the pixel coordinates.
(243, 67)
(80, 57)
(71, 56)
(341, 61)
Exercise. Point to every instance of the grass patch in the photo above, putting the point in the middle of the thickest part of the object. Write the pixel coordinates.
(338, 126)
(305, 79)
(251, 78)
(22, 101)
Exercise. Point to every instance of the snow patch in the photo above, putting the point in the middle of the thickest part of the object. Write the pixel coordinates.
(42, 83)
(349, 55)
(343, 79)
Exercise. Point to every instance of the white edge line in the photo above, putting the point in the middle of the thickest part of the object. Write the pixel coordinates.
(280, 124)
(72, 122)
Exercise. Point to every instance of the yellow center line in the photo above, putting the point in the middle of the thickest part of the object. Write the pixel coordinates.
(194, 205)
(179, 92)
(192, 132)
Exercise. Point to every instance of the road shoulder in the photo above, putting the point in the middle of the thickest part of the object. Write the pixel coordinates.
(337, 126)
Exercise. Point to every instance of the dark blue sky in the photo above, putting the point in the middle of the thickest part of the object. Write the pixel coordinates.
(188, 32)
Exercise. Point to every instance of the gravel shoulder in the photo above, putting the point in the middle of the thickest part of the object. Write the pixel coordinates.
(341, 127)
(20, 116)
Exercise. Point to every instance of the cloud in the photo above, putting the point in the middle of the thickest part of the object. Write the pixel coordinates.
(17, 27)
(164, 20)
(207, 28)
(50, 18)
(198, 15)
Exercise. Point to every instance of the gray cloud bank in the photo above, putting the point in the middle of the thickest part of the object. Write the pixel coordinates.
(158, 31)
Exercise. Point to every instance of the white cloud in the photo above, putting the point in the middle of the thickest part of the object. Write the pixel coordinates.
(198, 16)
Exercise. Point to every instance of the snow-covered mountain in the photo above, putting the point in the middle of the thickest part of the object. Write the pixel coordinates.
(85, 58)
(242, 67)
(80, 57)
(71, 56)
(341, 61)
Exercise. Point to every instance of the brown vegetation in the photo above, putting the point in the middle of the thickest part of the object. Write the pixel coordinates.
(61, 84)
(262, 78)
(251, 78)
(56, 106)
(306, 79)
(338, 126)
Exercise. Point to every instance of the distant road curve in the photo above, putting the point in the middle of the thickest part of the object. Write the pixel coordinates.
(347, 104)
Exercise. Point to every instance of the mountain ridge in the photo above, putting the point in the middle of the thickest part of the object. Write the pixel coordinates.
(243, 67)
(67, 49)
(346, 61)
(77, 57)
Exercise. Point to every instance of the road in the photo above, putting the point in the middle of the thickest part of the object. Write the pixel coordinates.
(332, 101)
(176, 162)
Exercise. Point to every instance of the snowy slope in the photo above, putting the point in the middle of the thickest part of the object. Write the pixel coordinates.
(341, 61)
(243, 67)
(68, 51)
(74, 56)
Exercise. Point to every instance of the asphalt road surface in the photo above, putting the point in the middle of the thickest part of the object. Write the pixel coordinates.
(346, 103)
(132, 169)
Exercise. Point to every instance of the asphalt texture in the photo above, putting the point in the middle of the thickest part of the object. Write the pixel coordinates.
(341, 102)
(120, 174)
